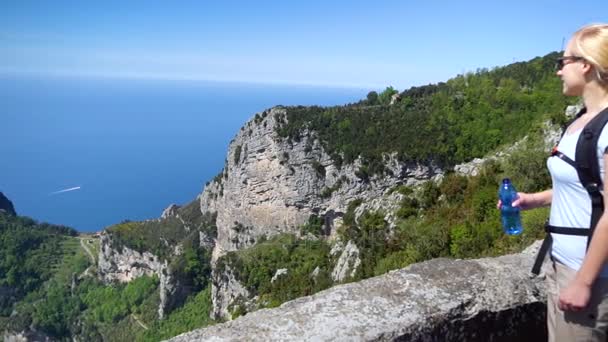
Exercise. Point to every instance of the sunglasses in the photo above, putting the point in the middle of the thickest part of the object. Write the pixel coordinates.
(561, 62)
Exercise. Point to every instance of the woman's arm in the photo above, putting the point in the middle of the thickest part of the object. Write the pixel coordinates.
(576, 296)
(527, 201)
(535, 200)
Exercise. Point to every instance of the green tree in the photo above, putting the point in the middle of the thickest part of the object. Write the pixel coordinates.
(385, 96)
(372, 98)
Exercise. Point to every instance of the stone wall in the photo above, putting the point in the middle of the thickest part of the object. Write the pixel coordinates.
(490, 299)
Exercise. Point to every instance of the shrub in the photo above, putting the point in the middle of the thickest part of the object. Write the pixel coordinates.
(237, 154)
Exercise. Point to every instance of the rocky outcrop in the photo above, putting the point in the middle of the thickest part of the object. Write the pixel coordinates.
(173, 290)
(170, 211)
(387, 204)
(227, 293)
(348, 262)
(6, 205)
(125, 264)
(280, 272)
(492, 299)
(25, 336)
(271, 185)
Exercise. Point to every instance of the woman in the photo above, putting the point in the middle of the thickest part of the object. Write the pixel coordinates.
(577, 281)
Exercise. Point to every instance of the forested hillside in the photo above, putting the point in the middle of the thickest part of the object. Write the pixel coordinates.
(49, 284)
(450, 122)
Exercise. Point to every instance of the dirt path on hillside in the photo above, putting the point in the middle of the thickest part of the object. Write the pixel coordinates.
(139, 322)
(86, 249)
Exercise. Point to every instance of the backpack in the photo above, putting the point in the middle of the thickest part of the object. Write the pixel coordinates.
(588, 170)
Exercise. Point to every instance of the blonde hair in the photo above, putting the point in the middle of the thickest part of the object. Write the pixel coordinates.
(592, 44)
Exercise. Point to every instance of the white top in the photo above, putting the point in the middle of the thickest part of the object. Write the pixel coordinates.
(571, 205)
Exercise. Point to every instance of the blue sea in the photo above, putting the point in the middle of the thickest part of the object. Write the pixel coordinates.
(126, 148)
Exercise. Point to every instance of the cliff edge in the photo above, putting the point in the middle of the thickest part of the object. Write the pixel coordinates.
(490, 299)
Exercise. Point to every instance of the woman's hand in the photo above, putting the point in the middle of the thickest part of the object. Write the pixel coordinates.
(524, 201)
(575, 297)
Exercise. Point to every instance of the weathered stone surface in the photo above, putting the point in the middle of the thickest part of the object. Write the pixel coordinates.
(387, 204)
(25, 336)
(205, 241)
(471, 168)
(270, 185)
(170, 211)
(492, 299)
(226, 292)
(126, 264)
(173, 290)
(571, 111)
(347, 264)
(278, 273)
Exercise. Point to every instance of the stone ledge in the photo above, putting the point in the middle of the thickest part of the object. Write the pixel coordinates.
(490, 299)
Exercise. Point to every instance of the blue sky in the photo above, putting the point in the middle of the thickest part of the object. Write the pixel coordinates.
(370, 44)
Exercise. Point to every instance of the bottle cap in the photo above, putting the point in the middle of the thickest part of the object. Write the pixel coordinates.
(506, 180)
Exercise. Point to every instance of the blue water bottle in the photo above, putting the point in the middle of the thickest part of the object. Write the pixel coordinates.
(511, 219)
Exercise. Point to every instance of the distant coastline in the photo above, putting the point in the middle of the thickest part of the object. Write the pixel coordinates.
(137, 145)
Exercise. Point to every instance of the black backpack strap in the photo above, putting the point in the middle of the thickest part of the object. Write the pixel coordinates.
(588, 167)
(548, 241)
(564, 157)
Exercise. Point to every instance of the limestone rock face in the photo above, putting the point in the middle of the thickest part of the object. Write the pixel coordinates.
(126, 264)
(492, 299)
(347, 264)
(226, 292)
(170, 211)
(270, 185)
(388, 204)
(173, 290)
(278, 273)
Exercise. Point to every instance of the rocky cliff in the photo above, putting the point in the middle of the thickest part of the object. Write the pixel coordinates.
(153, 248)
(271, 185)
(125, 264)
(492, 299)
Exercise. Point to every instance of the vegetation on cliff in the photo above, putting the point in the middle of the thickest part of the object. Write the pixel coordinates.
(456, 217)
(48, 283)
(29, 253)
(160, 236)
(451, 122)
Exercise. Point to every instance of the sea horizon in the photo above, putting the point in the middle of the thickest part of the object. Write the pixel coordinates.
(89, 153)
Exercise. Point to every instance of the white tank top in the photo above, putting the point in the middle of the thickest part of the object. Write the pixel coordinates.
(571, 205)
